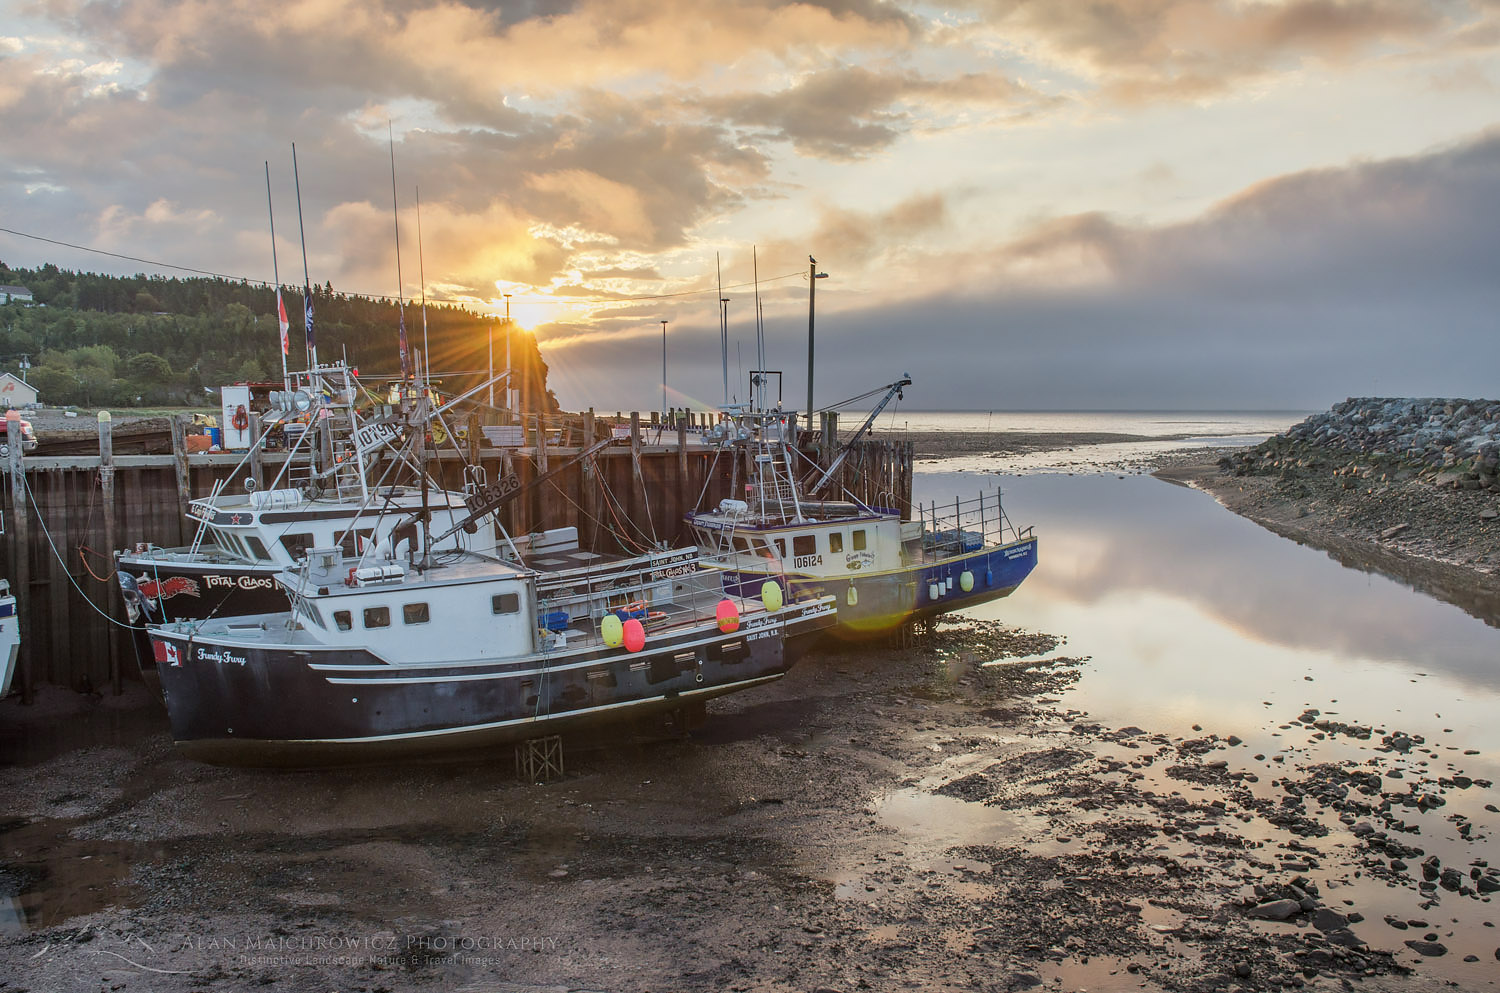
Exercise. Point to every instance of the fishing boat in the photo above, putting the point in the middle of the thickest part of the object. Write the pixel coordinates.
(377, 656)
(886, 573)
(349, 480)
(10, 636)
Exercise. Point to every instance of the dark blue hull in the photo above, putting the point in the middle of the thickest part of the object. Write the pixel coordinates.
(242, 703)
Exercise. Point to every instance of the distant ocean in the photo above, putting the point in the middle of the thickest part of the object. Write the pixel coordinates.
(1147, 423)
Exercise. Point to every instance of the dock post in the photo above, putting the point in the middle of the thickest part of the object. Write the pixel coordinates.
(180, 463)
(541, 444)
(257, 471)
(474, 436)
(638, 494)
(682, 469)
(107, 494)
(587, 480)
(21, 545)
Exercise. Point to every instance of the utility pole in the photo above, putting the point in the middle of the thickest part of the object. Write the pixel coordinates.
(664, 371)
(813, 275)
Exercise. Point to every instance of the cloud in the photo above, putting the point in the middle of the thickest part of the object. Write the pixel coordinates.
(1144, 50)
(850, 111)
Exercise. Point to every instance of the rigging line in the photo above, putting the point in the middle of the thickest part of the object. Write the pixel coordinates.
(63, 562)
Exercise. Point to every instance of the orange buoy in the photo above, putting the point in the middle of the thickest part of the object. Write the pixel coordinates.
(728, 615)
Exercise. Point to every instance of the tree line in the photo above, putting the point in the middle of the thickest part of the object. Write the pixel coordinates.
(95, 340)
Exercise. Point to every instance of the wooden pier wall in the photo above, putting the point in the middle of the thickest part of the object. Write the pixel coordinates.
(85, 507)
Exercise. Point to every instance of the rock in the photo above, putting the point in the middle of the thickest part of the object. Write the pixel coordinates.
(1275, 910)
(1329, 920)
(1397, 923)
(1242, 970)
(1487, 884)
(1431, 949)
(1392, 532)
(1024, 980)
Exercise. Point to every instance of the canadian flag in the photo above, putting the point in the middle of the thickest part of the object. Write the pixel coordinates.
(281, 318)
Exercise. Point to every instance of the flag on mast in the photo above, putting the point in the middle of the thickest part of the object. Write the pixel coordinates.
(281, 319)
(405, 355)
(308, 317)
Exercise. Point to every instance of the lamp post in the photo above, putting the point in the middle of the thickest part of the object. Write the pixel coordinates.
(813, 275)
(664, 372)
(724, 343)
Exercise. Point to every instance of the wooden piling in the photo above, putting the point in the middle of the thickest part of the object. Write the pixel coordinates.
(257, 472)
(180, 463)
(107, 496)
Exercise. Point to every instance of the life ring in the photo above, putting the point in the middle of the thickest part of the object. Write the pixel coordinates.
(241, 419)
(439, 436)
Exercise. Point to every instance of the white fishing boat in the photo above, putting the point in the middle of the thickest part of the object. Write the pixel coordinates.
(377, 657)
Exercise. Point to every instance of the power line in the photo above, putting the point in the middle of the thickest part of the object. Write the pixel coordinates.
(374, 296)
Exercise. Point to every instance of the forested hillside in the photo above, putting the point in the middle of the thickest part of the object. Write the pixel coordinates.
(97, 340)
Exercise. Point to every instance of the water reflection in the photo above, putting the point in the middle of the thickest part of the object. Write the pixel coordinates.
(1105, 538)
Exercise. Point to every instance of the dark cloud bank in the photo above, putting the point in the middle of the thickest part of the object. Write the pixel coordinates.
(1378, 278)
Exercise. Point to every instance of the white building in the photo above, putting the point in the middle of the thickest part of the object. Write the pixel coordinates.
(15, 294)
(14, 392)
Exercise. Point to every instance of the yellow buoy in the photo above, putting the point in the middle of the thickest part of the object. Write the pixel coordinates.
(853, 597)
(770, 595)
(966, 581)
(612, 630)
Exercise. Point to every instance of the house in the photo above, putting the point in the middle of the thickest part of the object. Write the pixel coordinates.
(15, 392)
(15, 294)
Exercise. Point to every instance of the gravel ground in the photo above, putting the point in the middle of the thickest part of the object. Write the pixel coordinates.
(881, 819)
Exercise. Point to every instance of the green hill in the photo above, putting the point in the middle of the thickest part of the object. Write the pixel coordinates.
(96, 340)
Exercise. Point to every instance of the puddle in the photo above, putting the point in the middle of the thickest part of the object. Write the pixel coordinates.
(59, 877)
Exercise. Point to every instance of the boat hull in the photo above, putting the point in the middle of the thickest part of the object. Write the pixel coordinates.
(882, 602)
(241, 703)
(10, 641)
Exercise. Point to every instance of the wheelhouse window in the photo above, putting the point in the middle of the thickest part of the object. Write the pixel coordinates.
(343, 620)
(354, 540)
(296, 545)
(377, 617)
(859, 540)
(781, 548)
(414, 613)
(257, 550)
(505, 603)
(310, 612)
(835, 541)
(804, 544)
(741, 543)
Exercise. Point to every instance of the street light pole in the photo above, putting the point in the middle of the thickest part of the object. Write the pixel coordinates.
(664, 372)
(510, 402)
(813, 275)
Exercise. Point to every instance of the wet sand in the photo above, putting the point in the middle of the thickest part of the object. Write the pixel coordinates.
(880, 819)
(953, 444)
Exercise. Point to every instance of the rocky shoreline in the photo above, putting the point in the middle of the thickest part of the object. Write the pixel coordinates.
(1409, 488)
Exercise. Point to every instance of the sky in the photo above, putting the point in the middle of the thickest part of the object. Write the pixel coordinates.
(1022, 204)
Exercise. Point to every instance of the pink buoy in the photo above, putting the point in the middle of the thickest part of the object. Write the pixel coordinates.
(635, 635)
(728, 615)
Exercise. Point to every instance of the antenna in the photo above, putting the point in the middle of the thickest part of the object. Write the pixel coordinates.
(276, 274)
(422, 274)
(307, 307)
(723, 326)
(396, 216)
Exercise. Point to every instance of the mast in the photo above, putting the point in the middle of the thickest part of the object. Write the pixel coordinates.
(422, 275)
(723, 326)
(307, 307)
(396, 217)
(276, 274)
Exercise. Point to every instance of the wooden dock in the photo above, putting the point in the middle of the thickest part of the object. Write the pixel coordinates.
(65, 515)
